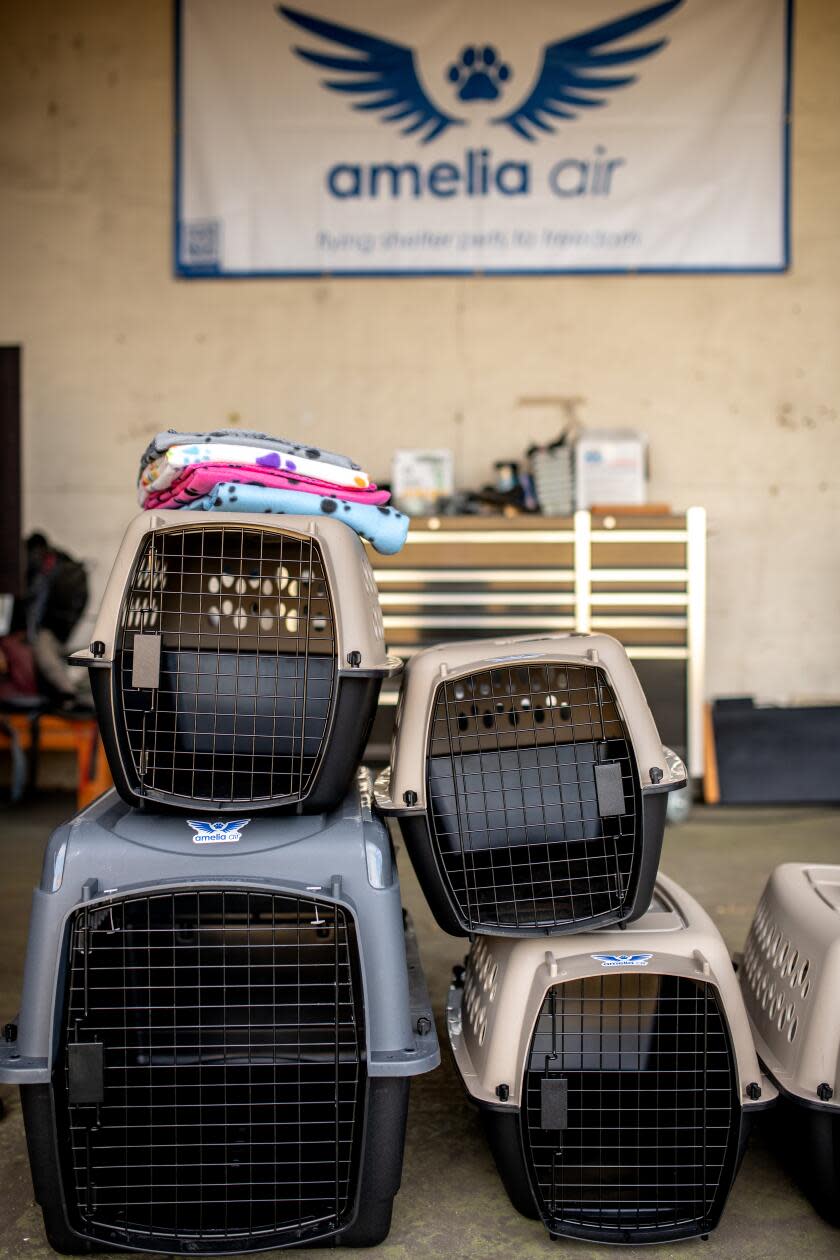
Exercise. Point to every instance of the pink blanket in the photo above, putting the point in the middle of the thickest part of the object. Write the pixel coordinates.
(199, 479)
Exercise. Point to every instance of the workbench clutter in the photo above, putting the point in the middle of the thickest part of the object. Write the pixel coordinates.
(594, 469)
(591, 468)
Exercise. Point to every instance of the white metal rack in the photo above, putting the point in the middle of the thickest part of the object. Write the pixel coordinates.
(640, 578)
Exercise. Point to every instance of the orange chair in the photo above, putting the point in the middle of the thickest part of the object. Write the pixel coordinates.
(57, 732)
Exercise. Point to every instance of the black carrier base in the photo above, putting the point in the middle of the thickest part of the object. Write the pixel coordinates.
(386, 1109)
(502, 1129)
(422, 849)
(806, 1140)
(344, 746)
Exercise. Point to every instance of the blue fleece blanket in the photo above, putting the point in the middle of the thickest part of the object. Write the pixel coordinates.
(383, 527)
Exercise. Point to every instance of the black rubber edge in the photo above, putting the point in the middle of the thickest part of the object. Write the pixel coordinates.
(418, 842)
(37, 1105)
(380, 1173)
(807, 1144)
(353, 714)
(654, 809)
(345, 743)
(504, 1137)
(381, 1164)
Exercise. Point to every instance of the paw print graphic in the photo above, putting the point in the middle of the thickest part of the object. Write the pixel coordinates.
(478, 74)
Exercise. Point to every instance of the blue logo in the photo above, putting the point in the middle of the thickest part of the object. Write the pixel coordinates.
(575, 73)
(479, 74)
(220, 832)
(622, 960)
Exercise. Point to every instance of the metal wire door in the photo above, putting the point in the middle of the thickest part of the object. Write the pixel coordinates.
(227, 663)
(630, 1105)
(518, 764)
(212, 1076)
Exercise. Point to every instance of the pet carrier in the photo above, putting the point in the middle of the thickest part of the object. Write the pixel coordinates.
(530, 784)
(218, 1026)
(230, 654)
(790, 979)
(614, 1071)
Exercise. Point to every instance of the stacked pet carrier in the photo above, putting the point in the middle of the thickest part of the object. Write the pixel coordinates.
(790, 978)
(598, 1023)
(222, 1004)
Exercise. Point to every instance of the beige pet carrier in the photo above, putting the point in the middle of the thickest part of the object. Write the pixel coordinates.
(530, 783)
(790, 978)
(614, 1070)
(237, 660)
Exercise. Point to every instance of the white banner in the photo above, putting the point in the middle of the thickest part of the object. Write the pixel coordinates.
(387, 136)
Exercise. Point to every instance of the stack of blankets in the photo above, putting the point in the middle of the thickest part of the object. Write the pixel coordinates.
(237, 470)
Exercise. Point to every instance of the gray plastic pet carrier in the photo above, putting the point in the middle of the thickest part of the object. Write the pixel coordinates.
(530, 784)
(232, 653)
(614, 1071)
(790, 978)
(218, 1026)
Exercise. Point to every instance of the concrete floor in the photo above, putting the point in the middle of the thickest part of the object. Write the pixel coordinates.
(452, 1203)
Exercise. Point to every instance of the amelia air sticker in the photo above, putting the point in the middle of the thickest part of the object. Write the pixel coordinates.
(622, 960)
(220, 832)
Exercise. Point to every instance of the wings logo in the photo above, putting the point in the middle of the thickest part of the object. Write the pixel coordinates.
(221, 832)
(622, 960)
(575, 74)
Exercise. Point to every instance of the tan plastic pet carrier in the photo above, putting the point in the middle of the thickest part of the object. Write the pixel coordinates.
(790, 978)
(614, 1070)
(530, 784)
(231, 653)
